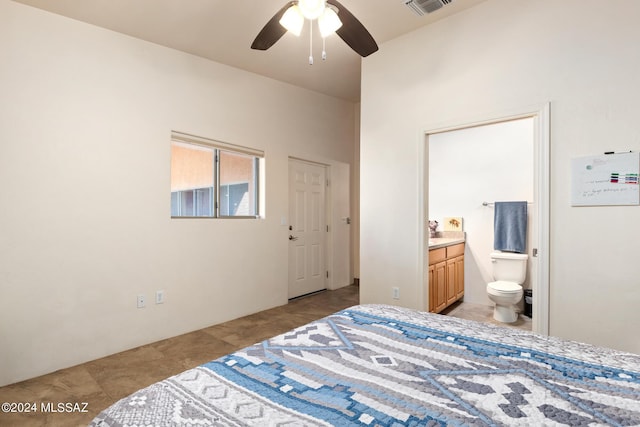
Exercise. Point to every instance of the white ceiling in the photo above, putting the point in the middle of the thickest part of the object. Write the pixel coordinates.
(223, 30)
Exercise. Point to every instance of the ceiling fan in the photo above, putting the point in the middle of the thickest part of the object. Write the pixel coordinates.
(331, 16)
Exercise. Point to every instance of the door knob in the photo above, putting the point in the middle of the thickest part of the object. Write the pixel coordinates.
(292, 238)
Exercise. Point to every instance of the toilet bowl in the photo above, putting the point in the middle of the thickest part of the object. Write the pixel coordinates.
(505, 295)
(509, 272)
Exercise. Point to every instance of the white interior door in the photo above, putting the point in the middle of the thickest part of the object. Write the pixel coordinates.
(307, 228)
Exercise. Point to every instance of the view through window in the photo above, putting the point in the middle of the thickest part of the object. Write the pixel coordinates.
(209, 180)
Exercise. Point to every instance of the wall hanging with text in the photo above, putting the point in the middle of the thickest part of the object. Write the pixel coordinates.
(605, 180)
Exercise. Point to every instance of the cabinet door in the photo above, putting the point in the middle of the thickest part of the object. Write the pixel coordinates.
(432, 288)
(459, 281)
(451, 281)
(440, 282)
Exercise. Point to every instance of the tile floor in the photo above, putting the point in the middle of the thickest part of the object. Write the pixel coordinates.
(484, 313)
(102, 382)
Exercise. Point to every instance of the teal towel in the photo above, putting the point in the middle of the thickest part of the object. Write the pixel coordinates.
(510, 227)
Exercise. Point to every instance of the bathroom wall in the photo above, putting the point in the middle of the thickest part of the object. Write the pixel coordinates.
(470, 166)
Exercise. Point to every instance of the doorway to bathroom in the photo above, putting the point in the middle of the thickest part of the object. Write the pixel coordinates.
(470, 166)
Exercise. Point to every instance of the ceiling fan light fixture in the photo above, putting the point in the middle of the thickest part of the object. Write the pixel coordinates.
(345, 25)
(329, 22)
(293, 20)
(311, 9)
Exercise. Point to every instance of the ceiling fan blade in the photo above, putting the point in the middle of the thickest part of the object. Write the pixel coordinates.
(272, 31)
(353, 32)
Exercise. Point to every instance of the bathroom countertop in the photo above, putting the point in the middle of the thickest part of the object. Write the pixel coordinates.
(446, 238)
(441, 242)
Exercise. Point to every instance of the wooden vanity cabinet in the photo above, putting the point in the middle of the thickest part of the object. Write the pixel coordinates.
(459, 281)
(437, 286)
(446, 276)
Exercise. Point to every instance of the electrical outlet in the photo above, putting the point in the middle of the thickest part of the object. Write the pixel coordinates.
(396, 292)
(142, 302)
(159, 297)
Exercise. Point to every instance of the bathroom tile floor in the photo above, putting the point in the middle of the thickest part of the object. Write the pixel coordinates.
(102, 382)
(484, 313)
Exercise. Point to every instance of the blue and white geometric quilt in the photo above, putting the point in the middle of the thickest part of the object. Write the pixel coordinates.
(377, 365)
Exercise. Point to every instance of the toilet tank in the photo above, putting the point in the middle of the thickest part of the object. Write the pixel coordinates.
(508, 266)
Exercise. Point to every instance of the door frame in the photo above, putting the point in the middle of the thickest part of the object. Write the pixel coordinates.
(541, 191)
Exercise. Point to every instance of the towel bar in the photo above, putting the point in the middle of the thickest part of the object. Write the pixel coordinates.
(491, 204)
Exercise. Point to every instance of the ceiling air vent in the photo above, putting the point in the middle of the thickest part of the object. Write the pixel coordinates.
(420, 7)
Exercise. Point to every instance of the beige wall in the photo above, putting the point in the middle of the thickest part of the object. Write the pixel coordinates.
(85, 125)
(582, 57)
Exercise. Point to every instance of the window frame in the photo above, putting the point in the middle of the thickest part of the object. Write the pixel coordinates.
(257, 160)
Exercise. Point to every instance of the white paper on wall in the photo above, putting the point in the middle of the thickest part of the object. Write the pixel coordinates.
(608, 179)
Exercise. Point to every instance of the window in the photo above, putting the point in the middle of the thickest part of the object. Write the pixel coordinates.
(213, 179)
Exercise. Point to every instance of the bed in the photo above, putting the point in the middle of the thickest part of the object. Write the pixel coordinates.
(379, 365)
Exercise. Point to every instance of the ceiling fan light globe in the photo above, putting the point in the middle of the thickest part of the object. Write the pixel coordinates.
(329, 22)
(311, 9)
(293, 20)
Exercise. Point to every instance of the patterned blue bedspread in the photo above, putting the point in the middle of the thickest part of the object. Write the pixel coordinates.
(375, 365)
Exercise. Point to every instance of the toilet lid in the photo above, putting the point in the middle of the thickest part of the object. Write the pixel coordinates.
(504, 286)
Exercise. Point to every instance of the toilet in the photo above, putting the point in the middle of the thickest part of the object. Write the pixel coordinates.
(509, 272)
